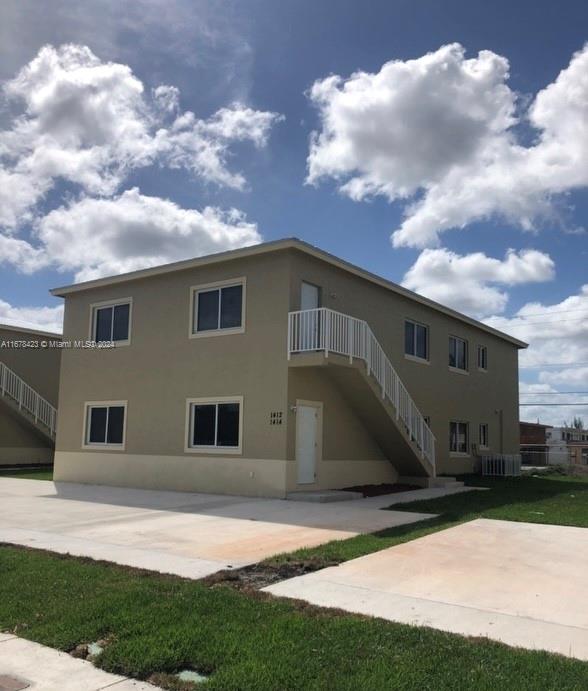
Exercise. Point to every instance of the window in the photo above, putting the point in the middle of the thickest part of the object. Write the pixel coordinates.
(105, 424)
(458, 437)
(482, 357)
(416, 340)
(112, 322)
(458, 353)
(215, 424)
(218, 308)
(483, 436)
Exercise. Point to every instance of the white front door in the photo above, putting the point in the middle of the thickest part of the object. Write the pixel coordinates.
(307, 418)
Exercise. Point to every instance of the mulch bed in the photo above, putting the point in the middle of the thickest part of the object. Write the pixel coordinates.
(260, 575)
(378, 490)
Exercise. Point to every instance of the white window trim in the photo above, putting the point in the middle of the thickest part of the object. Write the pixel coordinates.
(459, 370)
(416, 358)
(461, 454)
(192, 317)
(111, 303)
(85, 428)
(482, 369)
(189, 426)
(487, 445)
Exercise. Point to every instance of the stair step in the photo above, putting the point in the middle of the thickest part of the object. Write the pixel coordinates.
(323, 496)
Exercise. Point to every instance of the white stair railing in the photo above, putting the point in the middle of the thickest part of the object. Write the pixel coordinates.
(325, 330)
(14, 387)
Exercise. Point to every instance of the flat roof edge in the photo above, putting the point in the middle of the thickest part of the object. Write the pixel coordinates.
(26, 330)
(272, 246)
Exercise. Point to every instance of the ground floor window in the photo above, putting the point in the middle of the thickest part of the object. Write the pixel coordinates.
(215, 424)
(458, 437)
(105, 424)
(483, 440)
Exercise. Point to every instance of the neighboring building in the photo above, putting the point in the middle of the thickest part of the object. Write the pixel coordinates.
(578, 452)
(29, 386)
(534, 448)
(567, 445)
(272, 369)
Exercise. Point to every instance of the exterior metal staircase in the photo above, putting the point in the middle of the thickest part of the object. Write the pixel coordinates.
(328, 331)
(22, 398)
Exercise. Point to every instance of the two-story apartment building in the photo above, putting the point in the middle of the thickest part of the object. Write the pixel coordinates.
(29, 386)
(275, 368)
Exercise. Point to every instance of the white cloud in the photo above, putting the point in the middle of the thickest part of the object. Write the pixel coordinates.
(90, 122)
(558, 342)
(43, 318)
(468, 282)
(438, 131)
(574, 376)
(99, 237)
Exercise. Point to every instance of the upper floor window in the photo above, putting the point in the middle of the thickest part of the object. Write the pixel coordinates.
(458, 437)
(458, 353)
(416, 340)
(218, 308)
(482, 357)
(111, 321)
(483, 435)
(105, 424)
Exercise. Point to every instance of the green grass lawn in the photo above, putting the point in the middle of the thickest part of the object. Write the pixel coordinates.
(28, 474)
(249, 642)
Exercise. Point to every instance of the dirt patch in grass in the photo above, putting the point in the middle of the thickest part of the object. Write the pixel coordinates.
(379, 490)
(257, 576)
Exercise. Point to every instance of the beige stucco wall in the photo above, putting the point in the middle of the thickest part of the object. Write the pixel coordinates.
(19, 444)
(39, 366)
(348, 454)
(162, 367)
(440, 393)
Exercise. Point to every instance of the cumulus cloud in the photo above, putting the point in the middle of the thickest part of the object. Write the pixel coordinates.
(468, 282)
(90, 123)
(438, 132)
(558, 341)
(99, 237)
(43, 318)
(557, 333)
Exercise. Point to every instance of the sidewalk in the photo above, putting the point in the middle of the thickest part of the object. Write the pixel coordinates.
(27, 665)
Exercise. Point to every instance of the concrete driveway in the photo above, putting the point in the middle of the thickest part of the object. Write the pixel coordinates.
(521, 583)
(191, 535)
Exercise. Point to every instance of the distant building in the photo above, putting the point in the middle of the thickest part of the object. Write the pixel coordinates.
(534, 446)
(566, 445)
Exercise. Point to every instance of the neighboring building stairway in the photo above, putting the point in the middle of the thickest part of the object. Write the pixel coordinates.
(22, 400)
(331, 338)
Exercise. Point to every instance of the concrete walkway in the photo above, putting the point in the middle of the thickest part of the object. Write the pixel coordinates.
(520, 583)
(190, 535)
(43, 669)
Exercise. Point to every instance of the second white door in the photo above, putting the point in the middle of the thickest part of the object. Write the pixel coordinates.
(307, 427)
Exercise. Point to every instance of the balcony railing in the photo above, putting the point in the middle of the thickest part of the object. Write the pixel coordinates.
(325, 330)
(27, 399)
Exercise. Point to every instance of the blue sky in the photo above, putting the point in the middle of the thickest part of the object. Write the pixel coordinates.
(260, 60)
